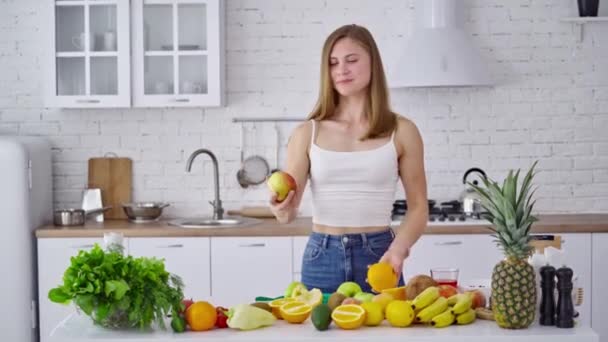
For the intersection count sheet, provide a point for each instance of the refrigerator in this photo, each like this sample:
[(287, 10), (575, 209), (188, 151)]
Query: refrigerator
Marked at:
[(26, 203)]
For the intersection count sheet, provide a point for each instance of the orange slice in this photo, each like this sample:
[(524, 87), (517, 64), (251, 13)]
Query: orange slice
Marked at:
[(349, 316), (295, 312), (398, 293), (276, 306)]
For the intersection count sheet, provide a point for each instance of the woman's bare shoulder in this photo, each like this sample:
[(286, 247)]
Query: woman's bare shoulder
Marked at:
[(301, 135), (407, 135), (406, 127)]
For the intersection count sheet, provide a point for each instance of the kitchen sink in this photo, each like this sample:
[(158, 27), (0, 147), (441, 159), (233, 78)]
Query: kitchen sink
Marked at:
[(207, 222)]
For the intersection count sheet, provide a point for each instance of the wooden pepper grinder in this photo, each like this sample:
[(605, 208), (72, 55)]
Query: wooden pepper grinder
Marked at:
[(565, 308), (547, 305)]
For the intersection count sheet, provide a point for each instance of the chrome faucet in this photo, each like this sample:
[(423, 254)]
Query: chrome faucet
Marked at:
[(218, 211)]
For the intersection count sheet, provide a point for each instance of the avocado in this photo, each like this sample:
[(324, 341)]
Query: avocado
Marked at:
[(321, 317)]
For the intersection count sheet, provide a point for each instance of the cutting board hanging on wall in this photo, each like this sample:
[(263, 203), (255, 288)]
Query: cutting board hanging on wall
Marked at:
[(113, 175)]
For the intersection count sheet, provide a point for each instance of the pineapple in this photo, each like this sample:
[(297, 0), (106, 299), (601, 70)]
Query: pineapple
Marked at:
[(513, 279)]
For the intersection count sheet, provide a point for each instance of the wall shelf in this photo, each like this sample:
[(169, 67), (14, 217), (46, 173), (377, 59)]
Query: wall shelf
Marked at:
[(581, 21), (267, 119)]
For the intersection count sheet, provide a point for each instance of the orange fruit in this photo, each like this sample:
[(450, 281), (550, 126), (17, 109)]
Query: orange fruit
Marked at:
[(201, 316), (349, 316), (381, 276), (295, 312), (276, 305), (398, 293)]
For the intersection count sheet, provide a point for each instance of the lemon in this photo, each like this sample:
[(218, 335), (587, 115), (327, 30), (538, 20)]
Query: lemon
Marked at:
[(373, 313), (383, 299), (381, 276), (276, 305), (295, 312), (313, 297), (399, 313), (349, 316)]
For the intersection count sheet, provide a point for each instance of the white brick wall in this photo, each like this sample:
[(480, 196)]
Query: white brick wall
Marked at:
[(551, 102)]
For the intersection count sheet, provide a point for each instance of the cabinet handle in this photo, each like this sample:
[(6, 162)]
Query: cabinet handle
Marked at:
[(87, 101), (179, 245), (181, 100), (83, 246), (448, 243), (253, 245)]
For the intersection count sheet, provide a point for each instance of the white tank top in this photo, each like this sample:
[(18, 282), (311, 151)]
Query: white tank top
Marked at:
[(353, 189)]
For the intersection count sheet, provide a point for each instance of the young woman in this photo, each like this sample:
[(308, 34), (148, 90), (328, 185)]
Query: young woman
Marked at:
[(354, 149)]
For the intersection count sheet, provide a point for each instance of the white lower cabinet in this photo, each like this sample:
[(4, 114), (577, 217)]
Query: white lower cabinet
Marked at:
[(187, 257), (600, 279), (243, 268), (299, 245), (53, 259), (473, 255)]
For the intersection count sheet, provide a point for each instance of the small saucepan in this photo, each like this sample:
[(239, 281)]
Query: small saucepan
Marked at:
[(74, 217)]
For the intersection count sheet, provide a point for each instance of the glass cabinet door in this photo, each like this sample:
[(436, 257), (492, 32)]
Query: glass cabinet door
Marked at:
[(91, 54), (172, 52)]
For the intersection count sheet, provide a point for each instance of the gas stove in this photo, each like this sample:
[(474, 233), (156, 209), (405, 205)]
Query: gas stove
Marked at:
[(447, 213)]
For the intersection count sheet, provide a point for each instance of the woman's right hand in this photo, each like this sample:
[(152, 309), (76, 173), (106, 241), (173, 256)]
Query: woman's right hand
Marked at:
[(282, 210)]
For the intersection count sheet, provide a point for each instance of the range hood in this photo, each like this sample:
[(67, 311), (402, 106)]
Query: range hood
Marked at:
[(439, 53)]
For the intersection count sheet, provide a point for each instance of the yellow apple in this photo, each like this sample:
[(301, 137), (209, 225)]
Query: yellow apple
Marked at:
[(281, 183)]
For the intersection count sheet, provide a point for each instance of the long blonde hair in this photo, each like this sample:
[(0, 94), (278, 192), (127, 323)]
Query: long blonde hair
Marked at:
[(382, 121)]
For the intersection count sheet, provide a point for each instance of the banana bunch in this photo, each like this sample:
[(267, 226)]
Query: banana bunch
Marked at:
[(440, 312), (460, 311)]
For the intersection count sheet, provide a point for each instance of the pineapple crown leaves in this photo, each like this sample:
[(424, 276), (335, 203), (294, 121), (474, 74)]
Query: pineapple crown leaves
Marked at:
[(510, 211)]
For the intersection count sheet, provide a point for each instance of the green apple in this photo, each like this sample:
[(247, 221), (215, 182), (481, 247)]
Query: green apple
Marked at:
[(281, 183), (295, 289), (364, 297), (349, 288)]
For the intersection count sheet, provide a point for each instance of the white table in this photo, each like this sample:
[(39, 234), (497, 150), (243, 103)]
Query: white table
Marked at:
[(80, 328)]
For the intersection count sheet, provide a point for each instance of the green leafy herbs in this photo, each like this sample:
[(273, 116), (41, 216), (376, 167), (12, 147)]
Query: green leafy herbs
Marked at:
[(119, 291)]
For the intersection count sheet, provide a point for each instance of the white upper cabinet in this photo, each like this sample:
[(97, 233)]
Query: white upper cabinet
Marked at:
[(178, 53), (89, 57)]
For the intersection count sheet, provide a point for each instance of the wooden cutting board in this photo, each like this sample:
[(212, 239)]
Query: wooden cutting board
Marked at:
[(260, 212), (114, 177)]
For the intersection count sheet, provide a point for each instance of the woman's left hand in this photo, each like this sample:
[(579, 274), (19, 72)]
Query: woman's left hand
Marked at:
[(395, 258)]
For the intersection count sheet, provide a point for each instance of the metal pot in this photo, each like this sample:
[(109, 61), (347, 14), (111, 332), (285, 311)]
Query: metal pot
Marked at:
[(74, 217), (470, 199), (143, 211)]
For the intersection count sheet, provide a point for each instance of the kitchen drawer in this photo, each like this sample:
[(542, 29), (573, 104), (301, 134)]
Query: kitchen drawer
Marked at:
[(188, 258), (474, 255), (245, 267)]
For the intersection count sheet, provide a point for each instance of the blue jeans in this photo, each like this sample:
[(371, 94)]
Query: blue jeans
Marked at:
[(330, 260)]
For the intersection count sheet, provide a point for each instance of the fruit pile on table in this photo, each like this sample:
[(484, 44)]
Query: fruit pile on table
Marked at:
[(422, 301)]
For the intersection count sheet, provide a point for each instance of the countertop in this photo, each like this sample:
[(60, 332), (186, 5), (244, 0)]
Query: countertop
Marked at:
[(80, 328), (561, 223)]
